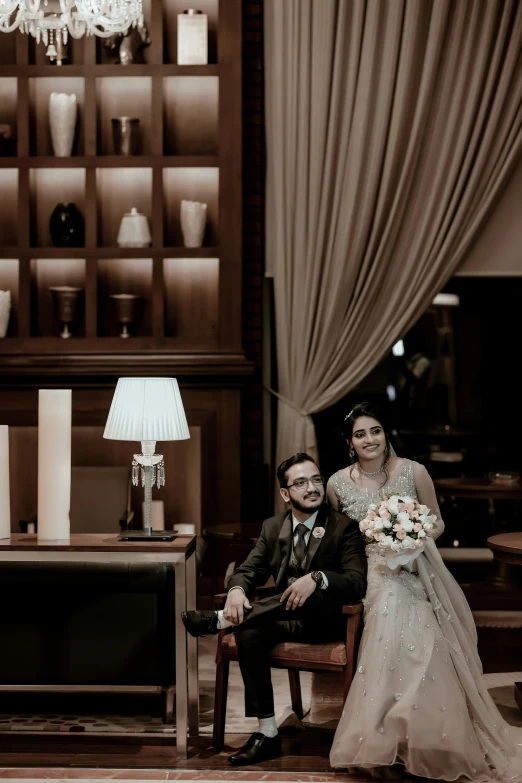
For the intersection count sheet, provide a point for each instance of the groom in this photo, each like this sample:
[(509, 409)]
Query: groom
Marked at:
[(316, 558)]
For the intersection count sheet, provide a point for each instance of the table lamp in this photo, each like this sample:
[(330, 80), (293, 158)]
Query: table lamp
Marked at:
[(147, 410)]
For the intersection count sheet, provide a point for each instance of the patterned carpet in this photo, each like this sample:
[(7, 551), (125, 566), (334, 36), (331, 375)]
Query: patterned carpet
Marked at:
[(142, 715)]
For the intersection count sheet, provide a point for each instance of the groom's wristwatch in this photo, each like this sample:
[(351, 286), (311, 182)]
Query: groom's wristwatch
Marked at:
[(318, 578)]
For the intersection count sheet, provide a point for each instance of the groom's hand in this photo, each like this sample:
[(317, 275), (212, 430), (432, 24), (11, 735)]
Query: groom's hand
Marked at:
[(235, 606), (299, 591)]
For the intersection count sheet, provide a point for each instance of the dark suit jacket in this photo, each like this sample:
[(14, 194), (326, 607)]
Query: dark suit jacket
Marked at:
[(339, 554)]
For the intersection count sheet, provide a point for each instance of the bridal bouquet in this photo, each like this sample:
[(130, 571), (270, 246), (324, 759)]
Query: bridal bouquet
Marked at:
[(399, 525)]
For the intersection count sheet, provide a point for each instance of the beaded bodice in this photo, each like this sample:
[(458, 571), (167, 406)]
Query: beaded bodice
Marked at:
[(356, 500)]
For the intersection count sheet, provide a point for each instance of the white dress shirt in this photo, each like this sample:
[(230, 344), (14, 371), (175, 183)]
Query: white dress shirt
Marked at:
[(310, 522)]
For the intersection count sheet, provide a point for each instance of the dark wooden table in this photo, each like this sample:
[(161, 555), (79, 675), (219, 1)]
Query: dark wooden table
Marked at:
[(507, 548), (100, 548)]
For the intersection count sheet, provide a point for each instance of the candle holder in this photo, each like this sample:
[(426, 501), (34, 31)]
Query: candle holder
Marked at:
[(126, 311), (66, 300)]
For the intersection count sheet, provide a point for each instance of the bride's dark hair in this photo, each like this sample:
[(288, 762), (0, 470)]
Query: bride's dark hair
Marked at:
[(373, 412)]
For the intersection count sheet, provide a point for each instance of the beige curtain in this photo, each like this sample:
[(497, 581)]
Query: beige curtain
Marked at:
[(392, 126)]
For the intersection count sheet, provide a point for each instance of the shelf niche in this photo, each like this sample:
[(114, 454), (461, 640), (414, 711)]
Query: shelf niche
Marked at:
[(124, 276), (140, 56), (9, 275), (123, 97), (49, 187), (47, 272), (191, 115), (170, 41), (8, 109), (9, 212), (40, 90), (119, 190), (192, 184), (191, 298)]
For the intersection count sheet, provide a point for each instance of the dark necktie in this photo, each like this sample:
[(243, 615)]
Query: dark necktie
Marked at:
[(300, 546)]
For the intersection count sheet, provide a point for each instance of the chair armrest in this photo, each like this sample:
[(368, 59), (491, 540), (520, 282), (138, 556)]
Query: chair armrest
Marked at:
[(260, 592), (353, 608)]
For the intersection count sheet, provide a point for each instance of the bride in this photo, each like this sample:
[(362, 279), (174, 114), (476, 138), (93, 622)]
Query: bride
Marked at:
[(418, 698)]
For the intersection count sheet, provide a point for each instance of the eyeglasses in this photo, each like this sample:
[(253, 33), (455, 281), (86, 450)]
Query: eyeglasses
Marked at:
[(302, 483)]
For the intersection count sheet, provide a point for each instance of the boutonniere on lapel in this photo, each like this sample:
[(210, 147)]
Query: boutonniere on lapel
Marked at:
[(318, 532)]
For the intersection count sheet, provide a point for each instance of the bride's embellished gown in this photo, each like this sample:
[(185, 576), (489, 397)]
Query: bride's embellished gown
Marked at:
[(418, 698)]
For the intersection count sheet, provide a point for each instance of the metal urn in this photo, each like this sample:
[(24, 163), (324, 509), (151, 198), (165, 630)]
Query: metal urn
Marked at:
[(126, 311), (66, 300)]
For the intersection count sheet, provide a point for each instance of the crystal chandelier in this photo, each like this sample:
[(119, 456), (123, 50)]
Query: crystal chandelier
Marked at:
[(52, 21)]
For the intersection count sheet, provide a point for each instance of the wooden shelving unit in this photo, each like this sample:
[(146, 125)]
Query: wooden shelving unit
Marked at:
[(191, 143), (191, 322)]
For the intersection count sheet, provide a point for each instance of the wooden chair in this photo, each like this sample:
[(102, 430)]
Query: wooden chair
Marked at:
[(295, 656)]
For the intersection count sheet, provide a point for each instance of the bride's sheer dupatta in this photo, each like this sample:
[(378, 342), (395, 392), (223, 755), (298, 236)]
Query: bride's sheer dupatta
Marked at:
[(502, 744)]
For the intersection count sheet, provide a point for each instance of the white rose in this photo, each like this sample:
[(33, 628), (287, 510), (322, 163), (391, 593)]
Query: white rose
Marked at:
[(378, 524), (407, 499), (428, 527), (363, 525), (408, 543), (387, 523), (393, 505), (421, 534), (423, 509), (369, 534), (396, 546), (402, 517), (386, 542), (372, 507), (407, 525)]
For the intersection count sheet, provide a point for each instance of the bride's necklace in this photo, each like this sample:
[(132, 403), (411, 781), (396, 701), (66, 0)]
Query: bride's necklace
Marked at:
[(376, 472)]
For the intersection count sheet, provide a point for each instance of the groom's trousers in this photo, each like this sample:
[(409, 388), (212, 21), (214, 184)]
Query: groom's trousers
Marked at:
[(269, 623)]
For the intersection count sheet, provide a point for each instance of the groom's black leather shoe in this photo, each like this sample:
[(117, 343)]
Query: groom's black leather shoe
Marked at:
[(257, 748), (200, 623)]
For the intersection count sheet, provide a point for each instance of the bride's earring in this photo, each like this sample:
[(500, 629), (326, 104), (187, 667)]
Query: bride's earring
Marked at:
[(352, 452)]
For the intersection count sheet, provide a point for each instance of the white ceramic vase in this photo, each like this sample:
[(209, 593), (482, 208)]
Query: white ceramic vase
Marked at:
[(134, 230), (62, 120), (193, 221), (5, 309)]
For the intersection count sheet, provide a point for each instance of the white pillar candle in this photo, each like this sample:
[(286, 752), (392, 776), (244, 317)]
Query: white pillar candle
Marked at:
[(158, 514), (5, 508), (54, 463)]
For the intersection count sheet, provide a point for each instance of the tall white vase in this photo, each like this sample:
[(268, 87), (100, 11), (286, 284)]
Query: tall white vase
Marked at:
[(5, 309), (193, 221), (62, 120)]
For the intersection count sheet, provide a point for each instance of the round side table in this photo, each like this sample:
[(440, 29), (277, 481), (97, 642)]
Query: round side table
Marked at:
[(507, 548)]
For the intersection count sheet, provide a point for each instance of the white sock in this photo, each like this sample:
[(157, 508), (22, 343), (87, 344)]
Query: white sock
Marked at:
[(268, 727), (222, 622)]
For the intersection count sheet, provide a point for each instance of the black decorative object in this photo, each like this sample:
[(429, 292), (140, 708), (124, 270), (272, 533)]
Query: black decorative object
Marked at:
[(67, 226)]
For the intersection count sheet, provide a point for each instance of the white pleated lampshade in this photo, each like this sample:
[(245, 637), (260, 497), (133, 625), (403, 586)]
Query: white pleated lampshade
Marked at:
[(147, 409)]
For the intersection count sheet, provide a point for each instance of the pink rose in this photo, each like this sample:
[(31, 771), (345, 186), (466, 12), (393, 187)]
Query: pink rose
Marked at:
[(417, 526), (415, 515), (371, 524), (401, 534), (318, 532), (402, 506), (397, 526), (371, 515), (378, 536), (409, 507), (385, 514), (419, 542)]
